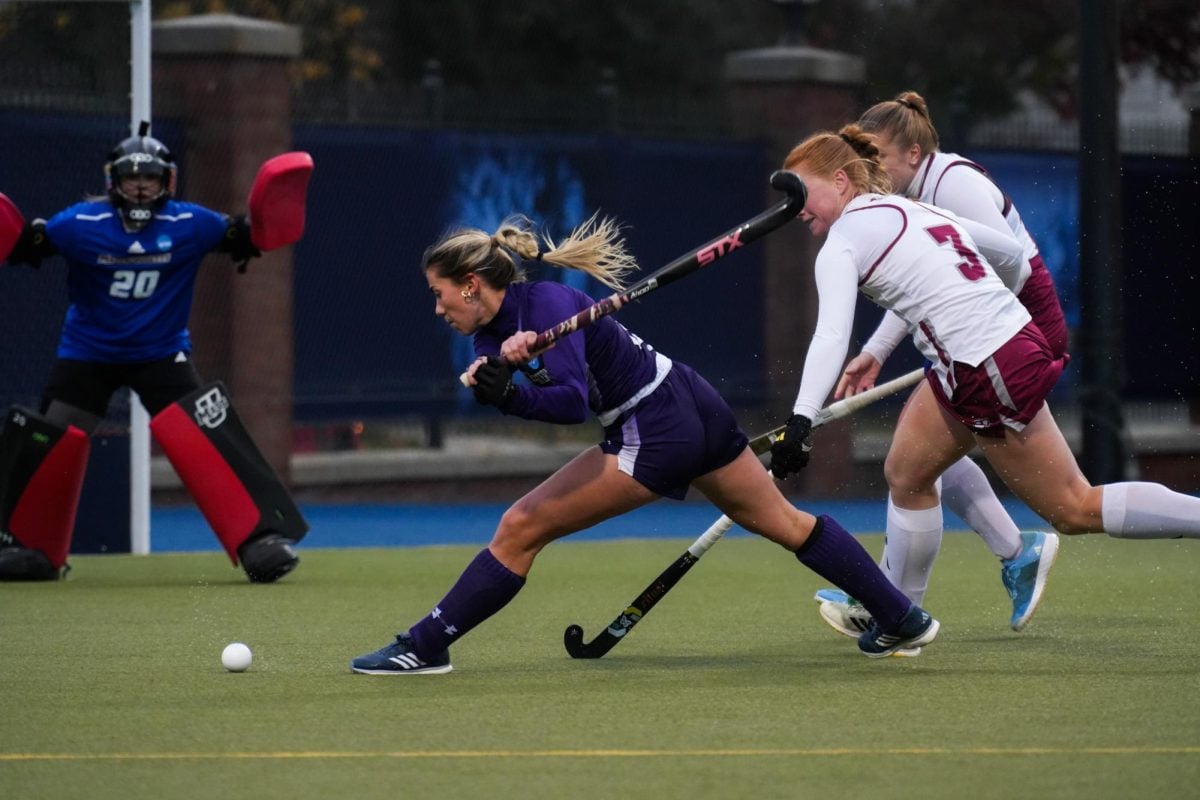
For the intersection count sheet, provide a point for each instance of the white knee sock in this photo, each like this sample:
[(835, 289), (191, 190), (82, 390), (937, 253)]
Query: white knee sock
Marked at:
[(966, 492), (913, 539), (1138, 510)]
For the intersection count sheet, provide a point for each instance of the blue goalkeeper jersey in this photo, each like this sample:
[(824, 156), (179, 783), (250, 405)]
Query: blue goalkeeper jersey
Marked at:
[(130, 293)]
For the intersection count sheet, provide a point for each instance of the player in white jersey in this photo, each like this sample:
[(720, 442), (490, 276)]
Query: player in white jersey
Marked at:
[(908, 146), (991, 366)]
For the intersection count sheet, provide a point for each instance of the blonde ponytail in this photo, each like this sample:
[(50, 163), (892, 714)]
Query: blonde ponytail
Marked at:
[(595, 247)]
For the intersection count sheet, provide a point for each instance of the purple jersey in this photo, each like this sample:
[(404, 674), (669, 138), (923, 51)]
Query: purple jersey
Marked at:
[(130, 293), (600, 368), (664, 423)]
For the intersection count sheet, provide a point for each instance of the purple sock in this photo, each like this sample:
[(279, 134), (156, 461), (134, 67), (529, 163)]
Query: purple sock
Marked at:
[(484, 588), (836, 556)]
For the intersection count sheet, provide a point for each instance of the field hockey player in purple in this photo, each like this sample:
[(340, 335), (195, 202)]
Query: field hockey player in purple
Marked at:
[(665, 429)]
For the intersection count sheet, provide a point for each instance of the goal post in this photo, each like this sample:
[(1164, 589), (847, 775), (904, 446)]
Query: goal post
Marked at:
[(139, 418)]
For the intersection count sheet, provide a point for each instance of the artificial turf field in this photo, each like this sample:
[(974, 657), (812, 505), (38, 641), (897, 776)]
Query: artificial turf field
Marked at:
[(731, 687)]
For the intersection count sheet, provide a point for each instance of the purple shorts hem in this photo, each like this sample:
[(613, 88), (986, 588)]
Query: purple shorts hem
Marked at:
[(681, 431)]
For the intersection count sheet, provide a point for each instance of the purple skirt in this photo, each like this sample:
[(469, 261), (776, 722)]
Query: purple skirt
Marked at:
[(679, 432)]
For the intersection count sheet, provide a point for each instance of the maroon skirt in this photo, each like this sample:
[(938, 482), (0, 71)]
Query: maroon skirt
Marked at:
[(1007, 389)]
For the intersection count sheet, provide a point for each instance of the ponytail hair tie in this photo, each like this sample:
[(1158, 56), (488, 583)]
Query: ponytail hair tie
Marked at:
[(538, 257)]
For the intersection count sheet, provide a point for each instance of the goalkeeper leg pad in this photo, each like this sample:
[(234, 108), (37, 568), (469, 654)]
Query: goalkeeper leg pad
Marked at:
[(235, 488), (42, 465)]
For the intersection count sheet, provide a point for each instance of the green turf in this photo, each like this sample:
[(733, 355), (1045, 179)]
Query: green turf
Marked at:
[(111, 684)]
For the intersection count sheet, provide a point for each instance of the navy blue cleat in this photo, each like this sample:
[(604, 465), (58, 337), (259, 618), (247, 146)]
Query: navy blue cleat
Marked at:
[(400, 658), (916, 629)]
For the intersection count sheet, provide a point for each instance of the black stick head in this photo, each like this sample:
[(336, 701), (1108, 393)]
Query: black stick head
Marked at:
[(573, 640), (790, 183), (577, 648)]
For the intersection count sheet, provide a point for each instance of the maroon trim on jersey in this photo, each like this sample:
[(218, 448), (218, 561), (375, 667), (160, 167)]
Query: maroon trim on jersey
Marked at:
[(888, 249), (925, 175), (943, 356), (968, 163)]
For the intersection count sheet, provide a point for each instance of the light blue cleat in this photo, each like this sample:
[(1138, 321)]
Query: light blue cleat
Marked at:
[(1025, 574), (831, 596)]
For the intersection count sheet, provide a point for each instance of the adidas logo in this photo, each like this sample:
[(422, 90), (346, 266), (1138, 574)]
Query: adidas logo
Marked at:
[(407, 661), (136, 248)]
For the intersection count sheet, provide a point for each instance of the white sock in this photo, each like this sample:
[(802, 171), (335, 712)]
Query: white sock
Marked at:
[(1138, 510), (913, 539), (966, 492)]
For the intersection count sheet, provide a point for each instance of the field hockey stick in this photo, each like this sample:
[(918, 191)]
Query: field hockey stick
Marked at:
[(772, 219), (608, 638)]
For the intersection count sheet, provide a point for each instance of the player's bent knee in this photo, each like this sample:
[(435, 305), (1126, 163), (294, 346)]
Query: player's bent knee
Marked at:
[(903, 480), (515, 524), (520, 530)]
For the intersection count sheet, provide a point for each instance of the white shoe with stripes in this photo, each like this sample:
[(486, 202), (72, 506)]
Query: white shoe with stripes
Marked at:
[(400, 658), (848, 617)]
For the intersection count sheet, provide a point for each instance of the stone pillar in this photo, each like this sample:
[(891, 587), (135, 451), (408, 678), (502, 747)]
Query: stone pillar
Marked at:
[(225, 77), (779, 96)]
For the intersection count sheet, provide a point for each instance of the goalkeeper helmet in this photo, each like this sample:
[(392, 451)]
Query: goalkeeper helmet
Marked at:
[(139, 155)]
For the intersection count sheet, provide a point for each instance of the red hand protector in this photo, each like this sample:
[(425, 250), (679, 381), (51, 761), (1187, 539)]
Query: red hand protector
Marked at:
[(11, 224), (276, 202)]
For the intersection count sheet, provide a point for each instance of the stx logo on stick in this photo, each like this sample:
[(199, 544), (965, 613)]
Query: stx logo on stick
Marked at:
[(720, 247)]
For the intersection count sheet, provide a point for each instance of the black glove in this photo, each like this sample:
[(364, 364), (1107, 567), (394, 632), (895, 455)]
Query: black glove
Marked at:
[(32, 245), (237, 242), (790, 452), (493, 382)]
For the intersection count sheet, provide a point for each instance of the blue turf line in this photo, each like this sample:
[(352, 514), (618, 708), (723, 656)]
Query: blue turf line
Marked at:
[(174, 530)]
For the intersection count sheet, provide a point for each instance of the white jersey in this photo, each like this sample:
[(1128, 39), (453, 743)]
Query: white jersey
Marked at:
[(949, 181), (957, 184), (947, 278)]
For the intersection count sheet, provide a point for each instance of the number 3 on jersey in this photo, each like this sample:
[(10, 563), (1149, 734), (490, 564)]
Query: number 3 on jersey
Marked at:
[(972, 268), (128, 283)]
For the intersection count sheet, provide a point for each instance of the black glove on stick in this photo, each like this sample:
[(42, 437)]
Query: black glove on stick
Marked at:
[(493, 382), (790, 452)]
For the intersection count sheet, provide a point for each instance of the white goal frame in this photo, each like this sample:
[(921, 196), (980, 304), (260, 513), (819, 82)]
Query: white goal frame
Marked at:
[(139, 418)]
